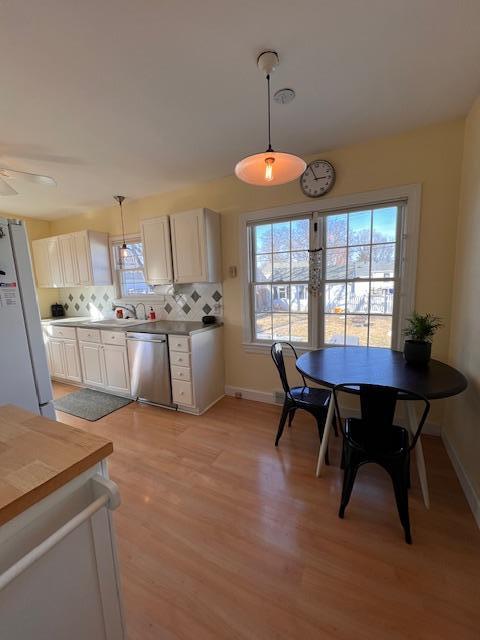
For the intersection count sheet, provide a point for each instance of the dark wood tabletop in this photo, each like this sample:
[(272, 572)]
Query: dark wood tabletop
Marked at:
[(373, 365)]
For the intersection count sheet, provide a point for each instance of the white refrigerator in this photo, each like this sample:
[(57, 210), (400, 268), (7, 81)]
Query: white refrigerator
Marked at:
[(24, 375)]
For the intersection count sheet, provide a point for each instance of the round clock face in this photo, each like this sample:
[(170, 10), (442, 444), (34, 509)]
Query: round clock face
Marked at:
[(317, 179)]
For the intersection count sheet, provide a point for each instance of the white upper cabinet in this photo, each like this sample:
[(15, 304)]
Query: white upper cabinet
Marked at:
[(72, 260), (182, 248), (68, 259), (157, 253), (196, 249)]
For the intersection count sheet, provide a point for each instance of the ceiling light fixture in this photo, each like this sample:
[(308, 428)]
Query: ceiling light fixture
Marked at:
[(270, 168), (123, 251)]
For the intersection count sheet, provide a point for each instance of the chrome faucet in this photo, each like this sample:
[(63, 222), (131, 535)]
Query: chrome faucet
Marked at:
[(128, 307), (144, 310)]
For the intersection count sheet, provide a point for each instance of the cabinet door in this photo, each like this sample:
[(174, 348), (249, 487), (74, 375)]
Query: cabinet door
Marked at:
[(117, 376), (57, 363), (69, 261), (55, 261), (189, 246), (42, 263), (157, 252), (72, 361), (82, 251), (92, 367)]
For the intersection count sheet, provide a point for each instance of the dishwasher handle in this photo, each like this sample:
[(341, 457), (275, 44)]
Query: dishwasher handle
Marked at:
[(144, 340)]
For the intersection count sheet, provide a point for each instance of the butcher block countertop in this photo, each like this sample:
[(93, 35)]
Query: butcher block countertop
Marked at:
[(38, 456)]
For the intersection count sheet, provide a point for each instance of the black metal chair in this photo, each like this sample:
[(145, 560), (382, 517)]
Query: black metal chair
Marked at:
[(310, 399), (374, 438)]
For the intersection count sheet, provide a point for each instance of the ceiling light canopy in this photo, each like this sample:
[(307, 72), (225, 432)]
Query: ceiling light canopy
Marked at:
[(269, 168)]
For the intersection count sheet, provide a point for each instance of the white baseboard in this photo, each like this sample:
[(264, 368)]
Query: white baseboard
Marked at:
[(430, 428), (471, 495)]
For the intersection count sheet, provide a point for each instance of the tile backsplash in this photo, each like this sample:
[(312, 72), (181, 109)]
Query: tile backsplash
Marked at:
[(182, 302)]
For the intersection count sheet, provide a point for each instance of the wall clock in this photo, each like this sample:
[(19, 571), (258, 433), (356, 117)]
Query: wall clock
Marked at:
[(317, 179)]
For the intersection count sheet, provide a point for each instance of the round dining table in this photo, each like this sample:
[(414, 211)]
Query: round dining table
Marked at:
[(373, 365)]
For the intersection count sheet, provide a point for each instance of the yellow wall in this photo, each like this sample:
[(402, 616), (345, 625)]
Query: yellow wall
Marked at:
[(37, 228), (430, 156), (462, 428)]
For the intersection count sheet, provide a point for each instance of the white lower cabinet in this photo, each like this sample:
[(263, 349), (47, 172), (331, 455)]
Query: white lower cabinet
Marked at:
[(64, 360), (117, 378), (91, 357)]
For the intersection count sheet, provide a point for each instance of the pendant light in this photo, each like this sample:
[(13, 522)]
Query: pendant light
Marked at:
[(270, 168), (123, 251)]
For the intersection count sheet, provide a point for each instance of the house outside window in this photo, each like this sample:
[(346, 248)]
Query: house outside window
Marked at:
[(130, 277)]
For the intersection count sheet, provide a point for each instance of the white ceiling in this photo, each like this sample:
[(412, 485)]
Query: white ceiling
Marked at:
[(143, 96)]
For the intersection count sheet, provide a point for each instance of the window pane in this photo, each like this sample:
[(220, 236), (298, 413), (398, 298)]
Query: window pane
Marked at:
[(359, 262), (299, 298), (263, 238), (263, 298), (385, 225), (381, 300), (359, 226), (281, 236), (281, 266), (133, 283), (336, 263), (299, 327), (334, 329), (383, 261), (380, 331), (281, 297), (300, 234), (263, 326), (263, 268), (281, 326), (335, 298), (357, 331), (337, 230), (357, 297), (299, 265)]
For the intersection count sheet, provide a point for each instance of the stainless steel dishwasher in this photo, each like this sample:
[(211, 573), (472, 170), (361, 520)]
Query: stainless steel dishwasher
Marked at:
[(150, 368)]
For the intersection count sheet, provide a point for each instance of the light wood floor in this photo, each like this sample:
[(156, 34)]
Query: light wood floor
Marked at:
[(222, 536)]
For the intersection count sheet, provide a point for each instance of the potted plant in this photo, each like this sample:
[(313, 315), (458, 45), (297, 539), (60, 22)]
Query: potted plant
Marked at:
[(420, 331)]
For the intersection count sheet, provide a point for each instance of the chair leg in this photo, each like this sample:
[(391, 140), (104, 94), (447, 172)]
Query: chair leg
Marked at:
[(349, 475), (400, 485), (336, 419), (281, 424), (291, 416)]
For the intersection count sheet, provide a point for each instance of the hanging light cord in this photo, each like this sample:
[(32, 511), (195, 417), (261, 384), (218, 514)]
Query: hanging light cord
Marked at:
[(123, 226), (268, 111)]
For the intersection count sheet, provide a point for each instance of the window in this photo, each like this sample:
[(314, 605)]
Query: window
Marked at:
[(129, 270), (358, 302)]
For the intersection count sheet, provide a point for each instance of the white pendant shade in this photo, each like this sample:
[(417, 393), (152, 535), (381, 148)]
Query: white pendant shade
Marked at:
[(270, 168)]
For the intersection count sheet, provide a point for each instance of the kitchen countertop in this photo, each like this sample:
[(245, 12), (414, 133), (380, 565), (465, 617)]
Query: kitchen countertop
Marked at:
[(178, 327), (38, 456)]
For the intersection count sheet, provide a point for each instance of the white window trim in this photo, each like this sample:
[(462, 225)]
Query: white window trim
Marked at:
[(153, 298), (410, 193)]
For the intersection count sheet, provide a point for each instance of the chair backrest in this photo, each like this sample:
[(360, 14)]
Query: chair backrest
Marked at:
[(277, 357), (378, 404)]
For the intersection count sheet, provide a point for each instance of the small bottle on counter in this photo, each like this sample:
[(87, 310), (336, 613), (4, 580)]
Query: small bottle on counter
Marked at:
[(152, 315), (119, 313)]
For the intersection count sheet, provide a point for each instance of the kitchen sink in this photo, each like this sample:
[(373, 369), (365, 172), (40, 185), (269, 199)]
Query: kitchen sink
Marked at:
[(117, 322)]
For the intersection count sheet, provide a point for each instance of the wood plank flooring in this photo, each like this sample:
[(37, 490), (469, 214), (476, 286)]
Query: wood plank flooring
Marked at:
[(222, 536)]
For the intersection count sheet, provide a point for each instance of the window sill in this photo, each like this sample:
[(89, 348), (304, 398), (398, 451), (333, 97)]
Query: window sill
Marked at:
[(258, 347)]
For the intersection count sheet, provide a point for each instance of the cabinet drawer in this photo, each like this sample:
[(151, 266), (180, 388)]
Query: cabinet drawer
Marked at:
[(182, 392), (179, 358), (113, 337), (62, 332), (89, 335), (179, 343), (181, 373)]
